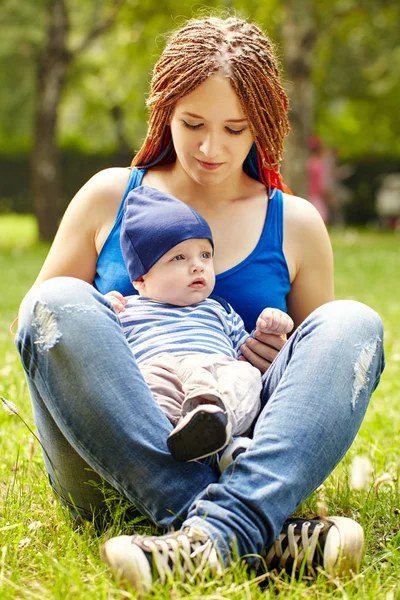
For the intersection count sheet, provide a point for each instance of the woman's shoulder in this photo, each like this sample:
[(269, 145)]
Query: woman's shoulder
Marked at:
[(100, 197), (300, 214), (107, 183), (306, 239)]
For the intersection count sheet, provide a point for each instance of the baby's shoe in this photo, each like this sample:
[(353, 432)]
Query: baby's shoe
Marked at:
[(232, 451), (202, 432)]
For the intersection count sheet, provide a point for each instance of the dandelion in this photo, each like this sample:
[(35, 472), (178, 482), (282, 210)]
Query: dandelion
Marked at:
[(9, 406), (385, 478), (35, 525), (360, 472), (6, 371)]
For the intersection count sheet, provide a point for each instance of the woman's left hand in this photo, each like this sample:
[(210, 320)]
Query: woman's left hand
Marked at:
[(261, 350)]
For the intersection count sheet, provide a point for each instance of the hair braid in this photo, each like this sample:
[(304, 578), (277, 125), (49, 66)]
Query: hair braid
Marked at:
[(240, 51)]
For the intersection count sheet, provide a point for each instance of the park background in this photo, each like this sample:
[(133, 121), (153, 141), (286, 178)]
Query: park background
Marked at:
[(73, 78)]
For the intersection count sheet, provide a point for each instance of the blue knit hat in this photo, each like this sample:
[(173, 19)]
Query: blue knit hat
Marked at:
[(153, 223)]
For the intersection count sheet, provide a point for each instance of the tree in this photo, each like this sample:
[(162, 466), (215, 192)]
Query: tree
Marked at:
[(299, 35), (52, 68), (340, 64)]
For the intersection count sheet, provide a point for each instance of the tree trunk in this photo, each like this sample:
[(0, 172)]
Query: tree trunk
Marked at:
[(45, 162), (299, 37)]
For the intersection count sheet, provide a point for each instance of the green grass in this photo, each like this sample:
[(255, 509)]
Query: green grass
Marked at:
[(42, 556)]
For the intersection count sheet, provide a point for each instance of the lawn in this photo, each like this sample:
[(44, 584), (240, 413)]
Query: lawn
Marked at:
[(43, 557)]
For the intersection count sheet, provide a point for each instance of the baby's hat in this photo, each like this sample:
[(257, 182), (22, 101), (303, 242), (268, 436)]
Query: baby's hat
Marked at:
[(153, 223)]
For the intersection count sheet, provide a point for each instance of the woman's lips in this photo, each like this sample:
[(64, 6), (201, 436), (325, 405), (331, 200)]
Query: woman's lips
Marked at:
[(209, 166)]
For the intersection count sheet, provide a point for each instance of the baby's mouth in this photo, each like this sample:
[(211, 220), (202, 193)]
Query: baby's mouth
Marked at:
[(198, 283)]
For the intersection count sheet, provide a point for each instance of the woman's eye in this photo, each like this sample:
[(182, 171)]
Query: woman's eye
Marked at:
[(235, 131), (189, 126)]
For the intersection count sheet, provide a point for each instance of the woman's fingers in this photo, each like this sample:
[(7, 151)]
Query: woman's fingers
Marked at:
[(260, 352), (269, 340)]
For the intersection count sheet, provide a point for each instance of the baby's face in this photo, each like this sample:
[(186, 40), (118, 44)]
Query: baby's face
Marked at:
[(183, 276)]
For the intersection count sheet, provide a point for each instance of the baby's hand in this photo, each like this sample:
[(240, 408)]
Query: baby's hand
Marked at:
[(117, 300), (273, 320)]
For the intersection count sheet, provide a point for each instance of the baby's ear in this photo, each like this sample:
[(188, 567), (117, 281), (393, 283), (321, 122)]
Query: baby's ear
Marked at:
[(138, 284)]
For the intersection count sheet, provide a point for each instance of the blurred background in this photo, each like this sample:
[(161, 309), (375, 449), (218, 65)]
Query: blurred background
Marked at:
[(74, 77)]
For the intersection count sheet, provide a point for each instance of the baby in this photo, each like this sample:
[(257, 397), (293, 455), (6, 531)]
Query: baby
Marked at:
[(186, 342)]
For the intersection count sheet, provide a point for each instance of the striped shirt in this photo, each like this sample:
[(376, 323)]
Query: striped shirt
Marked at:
[(153, 328)]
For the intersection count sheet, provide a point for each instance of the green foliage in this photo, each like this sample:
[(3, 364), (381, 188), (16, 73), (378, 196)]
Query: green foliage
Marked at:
[(23, 28), (356, 69), (42, 556), (356, 77)]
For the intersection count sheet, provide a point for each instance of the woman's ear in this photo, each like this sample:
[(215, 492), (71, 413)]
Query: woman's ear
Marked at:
[(138, 284)]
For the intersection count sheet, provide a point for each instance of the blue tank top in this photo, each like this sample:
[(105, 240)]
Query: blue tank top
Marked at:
[(260, 280)]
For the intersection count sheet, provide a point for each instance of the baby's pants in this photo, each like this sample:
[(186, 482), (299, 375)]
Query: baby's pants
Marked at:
[(180, 382)]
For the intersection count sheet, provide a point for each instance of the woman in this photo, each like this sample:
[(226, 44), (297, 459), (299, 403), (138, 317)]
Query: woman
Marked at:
[(218, 118)]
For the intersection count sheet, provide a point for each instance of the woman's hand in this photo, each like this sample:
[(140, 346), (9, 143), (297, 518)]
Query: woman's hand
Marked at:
[(261, 350), (117, 300), (269, 337)]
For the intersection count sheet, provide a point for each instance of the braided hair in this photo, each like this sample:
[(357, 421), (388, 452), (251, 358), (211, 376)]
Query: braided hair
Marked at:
[(240, 51)]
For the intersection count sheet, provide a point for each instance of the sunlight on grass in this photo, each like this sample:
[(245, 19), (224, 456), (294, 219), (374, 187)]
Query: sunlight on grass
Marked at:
[(42, 556), (17, 231)]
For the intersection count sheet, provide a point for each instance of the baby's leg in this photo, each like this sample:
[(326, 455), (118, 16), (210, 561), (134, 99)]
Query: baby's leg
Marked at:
[(240, 388), (206, 426), (160, 375)]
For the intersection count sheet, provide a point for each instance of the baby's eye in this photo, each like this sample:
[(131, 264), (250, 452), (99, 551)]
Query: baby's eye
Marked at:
[(179, 257), (206, 255)]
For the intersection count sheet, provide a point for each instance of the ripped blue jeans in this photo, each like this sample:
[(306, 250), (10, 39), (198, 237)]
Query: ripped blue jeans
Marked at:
[(98, 421)]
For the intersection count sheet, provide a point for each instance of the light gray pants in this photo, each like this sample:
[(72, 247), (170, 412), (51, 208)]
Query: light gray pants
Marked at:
[(180, 382)]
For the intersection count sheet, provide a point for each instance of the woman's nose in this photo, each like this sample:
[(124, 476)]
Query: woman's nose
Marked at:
[(210, 146)]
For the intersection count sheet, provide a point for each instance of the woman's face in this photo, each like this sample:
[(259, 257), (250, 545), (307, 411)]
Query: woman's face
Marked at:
[(210, 132)]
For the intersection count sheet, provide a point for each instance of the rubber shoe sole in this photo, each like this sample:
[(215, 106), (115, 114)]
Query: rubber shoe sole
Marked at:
[(202, 432), (128, 563), (344, 547)]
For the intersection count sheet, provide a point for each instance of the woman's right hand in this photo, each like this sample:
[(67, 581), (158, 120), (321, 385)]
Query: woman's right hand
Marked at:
[(261, 350)]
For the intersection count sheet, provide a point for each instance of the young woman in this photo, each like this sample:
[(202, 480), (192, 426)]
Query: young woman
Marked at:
[(218, 118)]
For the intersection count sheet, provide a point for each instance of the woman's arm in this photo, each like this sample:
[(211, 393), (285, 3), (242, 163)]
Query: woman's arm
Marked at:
[(309, 257), (308, 249), (84, 228)]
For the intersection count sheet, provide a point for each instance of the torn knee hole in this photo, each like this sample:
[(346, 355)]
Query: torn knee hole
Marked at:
[(362, 367), (45, 325)]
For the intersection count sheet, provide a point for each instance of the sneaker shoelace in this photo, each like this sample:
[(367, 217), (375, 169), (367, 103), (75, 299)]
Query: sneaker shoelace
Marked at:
[(291, 547), (185, 554)]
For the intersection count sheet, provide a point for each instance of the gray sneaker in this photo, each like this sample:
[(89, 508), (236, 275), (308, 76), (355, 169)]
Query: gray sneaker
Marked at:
[(141, 560), (334, 544)]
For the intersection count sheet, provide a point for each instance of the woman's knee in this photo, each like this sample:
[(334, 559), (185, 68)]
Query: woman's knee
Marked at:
[(53, 295), (57, 291), (350, 317), (47, 308)]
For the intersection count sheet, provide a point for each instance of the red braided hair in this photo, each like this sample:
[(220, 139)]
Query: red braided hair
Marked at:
[(242, 53)]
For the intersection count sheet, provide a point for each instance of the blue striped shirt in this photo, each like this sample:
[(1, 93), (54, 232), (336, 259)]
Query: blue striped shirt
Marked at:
[(153, 328)]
